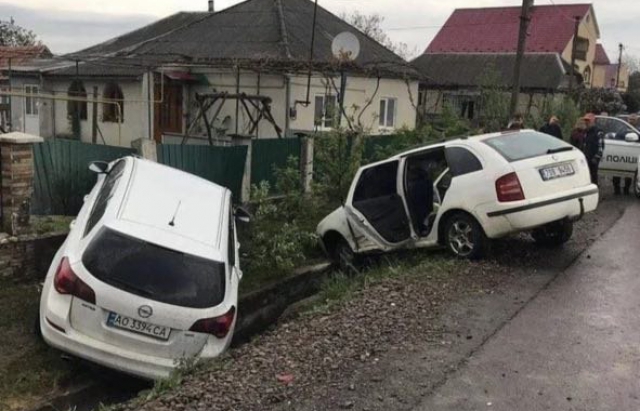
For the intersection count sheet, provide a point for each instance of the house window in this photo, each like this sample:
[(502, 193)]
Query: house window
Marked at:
[(77, 108), (464, 105), (582, 48), (388, 112), (31, 103), (110, 113), (326, 110)]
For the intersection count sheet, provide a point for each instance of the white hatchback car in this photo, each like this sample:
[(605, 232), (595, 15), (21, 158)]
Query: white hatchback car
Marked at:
[(149, 273), (460, 193)]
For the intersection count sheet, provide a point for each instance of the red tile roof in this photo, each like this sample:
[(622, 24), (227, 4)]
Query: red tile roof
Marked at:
[(495, 30), (22, 55), (601, 56)]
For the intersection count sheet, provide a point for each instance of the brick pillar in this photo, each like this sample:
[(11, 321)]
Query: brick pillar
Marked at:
[(146, 148), (16, 160)]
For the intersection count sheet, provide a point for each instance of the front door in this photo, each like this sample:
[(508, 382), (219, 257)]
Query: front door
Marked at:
[(31, 110), (376, 209), (168, 113)]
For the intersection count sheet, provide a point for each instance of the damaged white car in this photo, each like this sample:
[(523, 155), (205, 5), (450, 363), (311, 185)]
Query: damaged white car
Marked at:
[(460, 194), (149, 273)]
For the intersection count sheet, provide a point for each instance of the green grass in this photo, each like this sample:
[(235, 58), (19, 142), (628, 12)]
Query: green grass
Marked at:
[(28, 368), (409, 264), (49, 224)]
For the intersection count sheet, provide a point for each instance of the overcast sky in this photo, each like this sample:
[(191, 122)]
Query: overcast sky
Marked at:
[(70, 25)]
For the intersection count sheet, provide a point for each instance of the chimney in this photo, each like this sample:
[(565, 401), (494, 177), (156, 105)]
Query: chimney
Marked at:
[(211, 8)]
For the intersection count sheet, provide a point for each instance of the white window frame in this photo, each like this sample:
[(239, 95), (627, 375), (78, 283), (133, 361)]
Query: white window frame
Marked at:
[(325, 120), (383, 123), (31, 106)]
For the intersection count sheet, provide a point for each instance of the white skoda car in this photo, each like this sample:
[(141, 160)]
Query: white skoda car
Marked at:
[(461, 193), (148, 274)]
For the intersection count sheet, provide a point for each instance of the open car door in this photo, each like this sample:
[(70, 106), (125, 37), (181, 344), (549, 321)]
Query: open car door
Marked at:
[(375, 208)]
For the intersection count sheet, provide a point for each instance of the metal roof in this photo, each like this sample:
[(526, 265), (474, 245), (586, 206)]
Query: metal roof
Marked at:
[(544, 71), (495, 29), (269, 32)]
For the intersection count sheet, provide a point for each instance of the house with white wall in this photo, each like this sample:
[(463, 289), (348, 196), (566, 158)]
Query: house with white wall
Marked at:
[(197, 76)]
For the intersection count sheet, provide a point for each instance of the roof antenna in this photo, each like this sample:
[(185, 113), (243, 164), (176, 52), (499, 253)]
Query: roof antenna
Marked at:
[(172, 223)]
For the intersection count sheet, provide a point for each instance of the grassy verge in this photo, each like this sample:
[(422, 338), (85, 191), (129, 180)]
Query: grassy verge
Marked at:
[(29, 370), (49, 224)]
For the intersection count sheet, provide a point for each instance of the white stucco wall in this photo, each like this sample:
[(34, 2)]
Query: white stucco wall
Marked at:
[(133, 127), (362, 102), (225, 81), (359, 91)]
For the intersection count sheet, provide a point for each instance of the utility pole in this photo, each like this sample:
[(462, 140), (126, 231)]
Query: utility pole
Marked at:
[(621, 47), (522, 42), (574, 48)]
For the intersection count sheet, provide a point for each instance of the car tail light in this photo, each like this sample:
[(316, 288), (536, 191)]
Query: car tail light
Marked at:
[(67, 282), (508, 188), (217, 326)]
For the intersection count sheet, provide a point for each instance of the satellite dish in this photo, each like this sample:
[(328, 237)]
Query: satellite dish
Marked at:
[(345, 46)]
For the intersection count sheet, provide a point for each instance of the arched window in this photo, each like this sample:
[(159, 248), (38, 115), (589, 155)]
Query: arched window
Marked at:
[(110, 113), (77, 109), (587, 75)]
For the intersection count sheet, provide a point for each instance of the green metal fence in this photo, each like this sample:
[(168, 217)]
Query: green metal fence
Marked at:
[(62, 176), (269, 154), (221, 165)]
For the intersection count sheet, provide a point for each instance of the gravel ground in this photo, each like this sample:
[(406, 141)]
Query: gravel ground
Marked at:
[(340, 355)]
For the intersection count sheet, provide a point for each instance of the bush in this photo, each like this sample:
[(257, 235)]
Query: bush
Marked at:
[(338, 156), (564, 107), (599, 100)]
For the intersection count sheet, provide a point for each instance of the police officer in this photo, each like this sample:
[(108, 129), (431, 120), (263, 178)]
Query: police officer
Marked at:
[(593, 146)]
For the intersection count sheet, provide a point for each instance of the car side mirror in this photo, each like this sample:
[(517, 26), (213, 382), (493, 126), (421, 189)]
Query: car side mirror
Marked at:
[(631, 138), (242, 215), (99, 167)]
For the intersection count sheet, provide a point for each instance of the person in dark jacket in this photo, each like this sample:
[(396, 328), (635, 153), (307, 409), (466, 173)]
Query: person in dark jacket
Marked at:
[(552, 128), (578, 134), (593, 146)]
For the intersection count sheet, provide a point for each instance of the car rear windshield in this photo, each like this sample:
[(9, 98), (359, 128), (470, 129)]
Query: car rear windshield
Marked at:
[(523, 145), (155, 272)]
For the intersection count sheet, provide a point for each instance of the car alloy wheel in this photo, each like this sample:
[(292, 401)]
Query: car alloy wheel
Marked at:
[(461, 238), (464, 237)]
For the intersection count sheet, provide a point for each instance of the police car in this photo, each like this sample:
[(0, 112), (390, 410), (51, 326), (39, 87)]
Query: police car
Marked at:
[(622, 149)]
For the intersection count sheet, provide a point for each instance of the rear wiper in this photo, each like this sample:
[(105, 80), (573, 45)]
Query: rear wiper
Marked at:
[(129, 287), (559, 150)]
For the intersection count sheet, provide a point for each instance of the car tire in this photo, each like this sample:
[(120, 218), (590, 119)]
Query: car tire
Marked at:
[(553, 234), (344, 257), (464, 237)]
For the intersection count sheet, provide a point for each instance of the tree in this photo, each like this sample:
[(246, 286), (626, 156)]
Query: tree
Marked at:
[(632, 96), (12, 35), (371, 25), (601, 100)]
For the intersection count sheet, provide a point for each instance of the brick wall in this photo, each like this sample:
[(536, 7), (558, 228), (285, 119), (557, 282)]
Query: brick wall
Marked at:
[(27, 257)]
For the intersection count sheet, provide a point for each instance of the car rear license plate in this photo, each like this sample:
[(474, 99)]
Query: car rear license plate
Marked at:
[(562, 170), (141, 327)]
